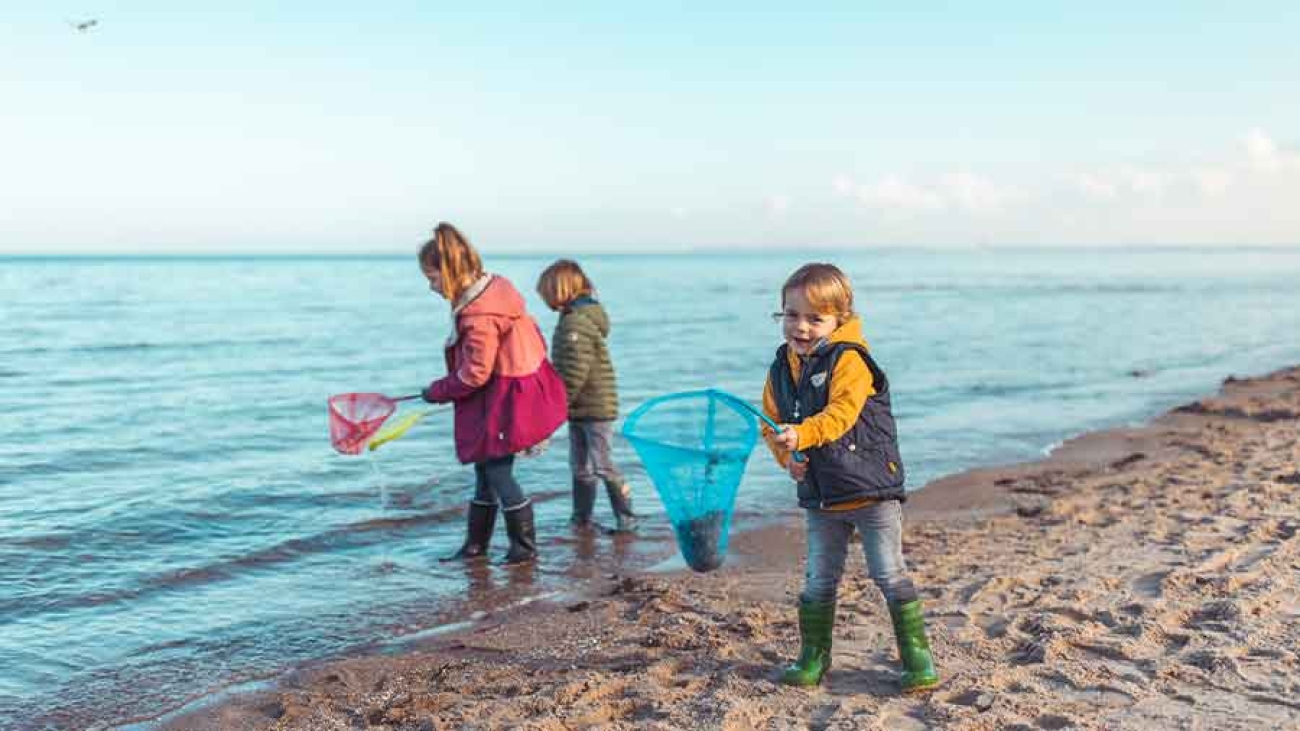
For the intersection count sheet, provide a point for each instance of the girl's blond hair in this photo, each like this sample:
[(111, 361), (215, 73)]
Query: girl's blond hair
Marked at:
[(826, 288), (449, 252), (562, 283)]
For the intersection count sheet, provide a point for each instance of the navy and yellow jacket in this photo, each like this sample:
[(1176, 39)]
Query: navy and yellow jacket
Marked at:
[(837, 400)]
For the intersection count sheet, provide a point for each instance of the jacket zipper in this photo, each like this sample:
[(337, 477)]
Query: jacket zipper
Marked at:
[(804, 371)]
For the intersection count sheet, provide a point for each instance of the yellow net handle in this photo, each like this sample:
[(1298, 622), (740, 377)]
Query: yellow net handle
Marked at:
[(397, 429)]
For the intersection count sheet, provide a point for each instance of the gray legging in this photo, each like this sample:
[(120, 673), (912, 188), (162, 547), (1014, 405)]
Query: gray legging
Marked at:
[(829, 532), (494, 484)]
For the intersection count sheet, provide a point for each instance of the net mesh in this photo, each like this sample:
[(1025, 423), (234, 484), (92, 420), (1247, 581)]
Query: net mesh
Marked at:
[(355, 417), (695, 446)]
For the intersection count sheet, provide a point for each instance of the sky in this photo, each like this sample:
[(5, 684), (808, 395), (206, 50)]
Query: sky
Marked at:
[(554, 126)]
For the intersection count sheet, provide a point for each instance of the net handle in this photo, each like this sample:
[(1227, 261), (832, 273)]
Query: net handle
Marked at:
[(798, 456)]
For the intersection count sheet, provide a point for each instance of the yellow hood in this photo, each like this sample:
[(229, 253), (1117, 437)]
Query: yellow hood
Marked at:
[(849, 332)]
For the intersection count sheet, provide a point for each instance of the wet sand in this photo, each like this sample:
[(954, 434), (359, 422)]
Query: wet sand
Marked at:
[(1143, 578)]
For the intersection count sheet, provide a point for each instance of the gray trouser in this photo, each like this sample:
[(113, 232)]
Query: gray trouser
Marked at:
[(590, 458), (829, 533)]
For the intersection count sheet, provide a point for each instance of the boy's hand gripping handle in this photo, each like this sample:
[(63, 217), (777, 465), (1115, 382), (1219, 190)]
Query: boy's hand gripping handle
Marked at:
[(796, 455)]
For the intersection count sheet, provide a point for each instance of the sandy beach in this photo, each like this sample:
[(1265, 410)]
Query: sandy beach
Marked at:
[(1138, 578)]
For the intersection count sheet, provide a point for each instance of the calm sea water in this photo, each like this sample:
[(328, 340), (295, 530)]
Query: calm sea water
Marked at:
[(173, 520)]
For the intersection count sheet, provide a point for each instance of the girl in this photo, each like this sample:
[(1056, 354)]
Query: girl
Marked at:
[(508, 398), (839, 443), (578, 349)]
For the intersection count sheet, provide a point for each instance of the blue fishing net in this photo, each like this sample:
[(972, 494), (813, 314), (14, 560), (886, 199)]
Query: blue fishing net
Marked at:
[(695, 446)]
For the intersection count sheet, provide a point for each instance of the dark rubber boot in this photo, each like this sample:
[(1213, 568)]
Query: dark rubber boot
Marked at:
[(816, 623), (523, 536), (481, 520), (620, 501), (913, 647), (584, 501)]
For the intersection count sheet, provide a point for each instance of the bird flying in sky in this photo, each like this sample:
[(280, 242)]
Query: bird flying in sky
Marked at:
[(81, 26)]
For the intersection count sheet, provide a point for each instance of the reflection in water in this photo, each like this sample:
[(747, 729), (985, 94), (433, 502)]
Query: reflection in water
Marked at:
[(490, 586), (584, 546)]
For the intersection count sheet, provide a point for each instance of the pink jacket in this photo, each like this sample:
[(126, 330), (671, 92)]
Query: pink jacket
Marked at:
[(507, 395)]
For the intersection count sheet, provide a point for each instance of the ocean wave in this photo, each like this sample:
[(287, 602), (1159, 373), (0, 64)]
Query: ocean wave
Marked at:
[(145, 345), (342, 539)]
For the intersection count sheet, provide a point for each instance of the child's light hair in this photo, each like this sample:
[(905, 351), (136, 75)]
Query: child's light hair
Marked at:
[(449, 252), (826, 288), (562, 283)]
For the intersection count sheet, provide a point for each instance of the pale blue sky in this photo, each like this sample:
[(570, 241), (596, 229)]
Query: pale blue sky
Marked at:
[(598, 126)]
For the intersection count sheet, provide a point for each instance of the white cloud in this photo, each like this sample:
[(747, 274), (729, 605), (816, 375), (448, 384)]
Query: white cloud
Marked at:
[(1241, 195), (844, 185), (1260, 154), (1212, 182), (1145, 180), (1132, 182), (1261, 150), (1126, 180), (958, 191), (977, 194), (895, 193), (1096, 185), (1265, 154)]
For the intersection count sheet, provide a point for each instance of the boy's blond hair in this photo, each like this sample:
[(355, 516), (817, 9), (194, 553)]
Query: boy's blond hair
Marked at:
[(449, 252), (826, 287), (563, 282)]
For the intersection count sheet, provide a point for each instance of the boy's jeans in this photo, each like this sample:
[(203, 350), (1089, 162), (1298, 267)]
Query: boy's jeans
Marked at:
[(590, 458), (881, 527)]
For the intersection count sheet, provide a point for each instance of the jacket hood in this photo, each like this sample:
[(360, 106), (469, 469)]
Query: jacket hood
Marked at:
[(499, 299), (849, 332), (592, 311)]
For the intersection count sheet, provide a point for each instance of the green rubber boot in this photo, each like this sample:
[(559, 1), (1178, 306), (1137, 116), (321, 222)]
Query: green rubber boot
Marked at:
[(913, 647), (816, 620)]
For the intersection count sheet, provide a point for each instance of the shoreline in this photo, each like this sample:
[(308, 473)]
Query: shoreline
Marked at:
[(670, 649)]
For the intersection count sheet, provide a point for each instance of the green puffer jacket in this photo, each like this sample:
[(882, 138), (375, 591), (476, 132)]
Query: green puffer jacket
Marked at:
[(579, 353)]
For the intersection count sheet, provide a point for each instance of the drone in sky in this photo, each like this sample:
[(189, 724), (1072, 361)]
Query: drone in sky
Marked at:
[(81, 26)]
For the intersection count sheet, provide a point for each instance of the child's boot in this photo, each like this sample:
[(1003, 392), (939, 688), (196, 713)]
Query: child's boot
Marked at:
[(913, 647), (816, 622), (620, 500), (522, 533), (584, 501), (481, 520)]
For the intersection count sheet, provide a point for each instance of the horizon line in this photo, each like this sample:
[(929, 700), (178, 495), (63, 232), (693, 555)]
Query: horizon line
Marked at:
[(674, 252)]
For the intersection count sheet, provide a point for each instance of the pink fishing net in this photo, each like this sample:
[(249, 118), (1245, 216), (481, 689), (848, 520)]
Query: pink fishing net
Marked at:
[(355, 417)]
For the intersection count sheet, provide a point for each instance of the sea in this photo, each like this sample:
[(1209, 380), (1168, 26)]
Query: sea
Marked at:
[(174, 523)]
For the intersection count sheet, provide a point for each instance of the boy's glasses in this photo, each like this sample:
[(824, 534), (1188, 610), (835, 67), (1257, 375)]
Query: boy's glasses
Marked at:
[(793, 317)]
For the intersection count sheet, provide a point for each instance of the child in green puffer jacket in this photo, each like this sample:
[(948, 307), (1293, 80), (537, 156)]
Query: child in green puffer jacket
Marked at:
[(579, 352)]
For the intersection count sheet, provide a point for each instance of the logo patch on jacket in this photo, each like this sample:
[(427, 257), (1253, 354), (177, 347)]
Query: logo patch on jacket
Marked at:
[(818, 379)]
